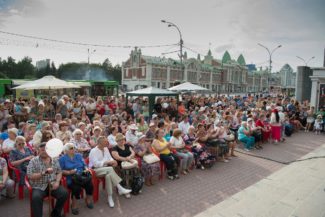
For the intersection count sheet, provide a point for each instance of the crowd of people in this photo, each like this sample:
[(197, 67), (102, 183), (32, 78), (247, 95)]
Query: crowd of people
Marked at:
[(126, 145)]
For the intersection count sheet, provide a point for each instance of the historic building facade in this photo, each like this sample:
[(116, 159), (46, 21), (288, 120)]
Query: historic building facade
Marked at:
[(220, 76), (288, 77)]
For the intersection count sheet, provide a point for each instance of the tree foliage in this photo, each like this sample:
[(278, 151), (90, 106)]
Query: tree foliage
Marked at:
[(24, 69)]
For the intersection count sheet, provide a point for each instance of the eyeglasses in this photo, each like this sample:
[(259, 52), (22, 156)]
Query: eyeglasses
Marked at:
[(71, 148)]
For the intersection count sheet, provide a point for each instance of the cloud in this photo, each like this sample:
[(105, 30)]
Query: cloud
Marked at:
[(10, 8), (223, 48)]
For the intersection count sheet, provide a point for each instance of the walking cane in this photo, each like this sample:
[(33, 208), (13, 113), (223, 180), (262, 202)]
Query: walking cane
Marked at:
[(53, 148)]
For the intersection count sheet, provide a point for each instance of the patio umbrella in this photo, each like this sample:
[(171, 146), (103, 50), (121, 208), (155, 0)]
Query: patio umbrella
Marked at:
[(187, 86), (47, 83)]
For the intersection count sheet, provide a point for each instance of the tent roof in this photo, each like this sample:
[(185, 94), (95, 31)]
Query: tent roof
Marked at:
[(151, 91), (187, 86), (46, 83)]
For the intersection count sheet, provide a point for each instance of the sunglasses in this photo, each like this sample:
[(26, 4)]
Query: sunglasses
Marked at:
[(71, 148)]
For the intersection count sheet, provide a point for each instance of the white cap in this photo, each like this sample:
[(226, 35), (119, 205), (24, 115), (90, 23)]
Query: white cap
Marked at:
[(133, 127)]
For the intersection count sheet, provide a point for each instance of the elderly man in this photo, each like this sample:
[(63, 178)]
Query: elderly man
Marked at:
[(184, 125), (45, 174), (62, 107), (131, 135), (102, 162)]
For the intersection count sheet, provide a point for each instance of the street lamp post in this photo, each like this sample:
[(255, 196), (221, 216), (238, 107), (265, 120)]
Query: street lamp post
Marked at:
[(89, 53), (306, 62), (270, 58), (170, 24)]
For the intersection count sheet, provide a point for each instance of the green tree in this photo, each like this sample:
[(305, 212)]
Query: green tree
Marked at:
[(25, 68)]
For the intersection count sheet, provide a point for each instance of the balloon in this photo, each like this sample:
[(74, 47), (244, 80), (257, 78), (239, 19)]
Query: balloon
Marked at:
[(54, 147)]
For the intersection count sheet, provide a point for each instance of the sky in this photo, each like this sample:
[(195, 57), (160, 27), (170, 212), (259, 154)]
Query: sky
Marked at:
[(219, 25)]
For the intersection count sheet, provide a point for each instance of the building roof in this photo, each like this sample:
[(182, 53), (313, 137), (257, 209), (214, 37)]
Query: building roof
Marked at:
[(161, 61), (151, 91), (226, 57), (241, 60)]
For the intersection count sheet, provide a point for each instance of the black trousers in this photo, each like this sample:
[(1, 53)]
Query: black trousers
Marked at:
[(171, 163), (76, 189), (60, 194)]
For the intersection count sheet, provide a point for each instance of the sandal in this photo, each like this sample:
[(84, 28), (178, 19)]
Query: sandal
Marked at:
[(74, 211)]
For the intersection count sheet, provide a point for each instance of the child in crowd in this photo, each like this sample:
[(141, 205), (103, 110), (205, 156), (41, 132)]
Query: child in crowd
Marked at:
[(318, 124)]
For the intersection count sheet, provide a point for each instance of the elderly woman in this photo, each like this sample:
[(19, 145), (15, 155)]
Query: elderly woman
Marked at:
[(5, 182), (73, 167), (46, 136), (148, 170), (80, 143), (266, 129), (245, 136), (123, 152), (20, 157), (97, 131), (112, 136), (29, 133), (163, 148), (178, 144), (9, 144), (64, 134), (256, 133), (142, 125)]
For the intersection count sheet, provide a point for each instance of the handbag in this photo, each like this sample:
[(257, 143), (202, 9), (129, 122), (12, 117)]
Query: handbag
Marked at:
[(230, 137), (151, 158), (81, 178), (128, 165)]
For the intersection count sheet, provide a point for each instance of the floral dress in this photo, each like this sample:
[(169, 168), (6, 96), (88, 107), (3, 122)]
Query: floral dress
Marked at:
[(201, 156), (147, 170), (17, 155)]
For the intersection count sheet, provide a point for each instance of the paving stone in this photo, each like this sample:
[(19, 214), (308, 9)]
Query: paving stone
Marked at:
[(198, 191)]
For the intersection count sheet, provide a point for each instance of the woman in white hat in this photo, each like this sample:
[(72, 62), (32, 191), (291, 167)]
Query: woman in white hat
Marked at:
[(9, 144), (131, 135)]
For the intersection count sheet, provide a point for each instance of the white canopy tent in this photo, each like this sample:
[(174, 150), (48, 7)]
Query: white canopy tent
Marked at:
[(187, 86), (47, 83)]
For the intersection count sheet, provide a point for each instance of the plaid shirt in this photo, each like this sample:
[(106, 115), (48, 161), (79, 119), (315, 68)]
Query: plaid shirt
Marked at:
[(36, 165)]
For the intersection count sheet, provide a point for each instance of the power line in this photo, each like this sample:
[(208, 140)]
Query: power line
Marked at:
[(84, 44), (194, 51)]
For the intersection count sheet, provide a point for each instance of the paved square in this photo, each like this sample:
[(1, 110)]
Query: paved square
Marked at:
[(195, 192)]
